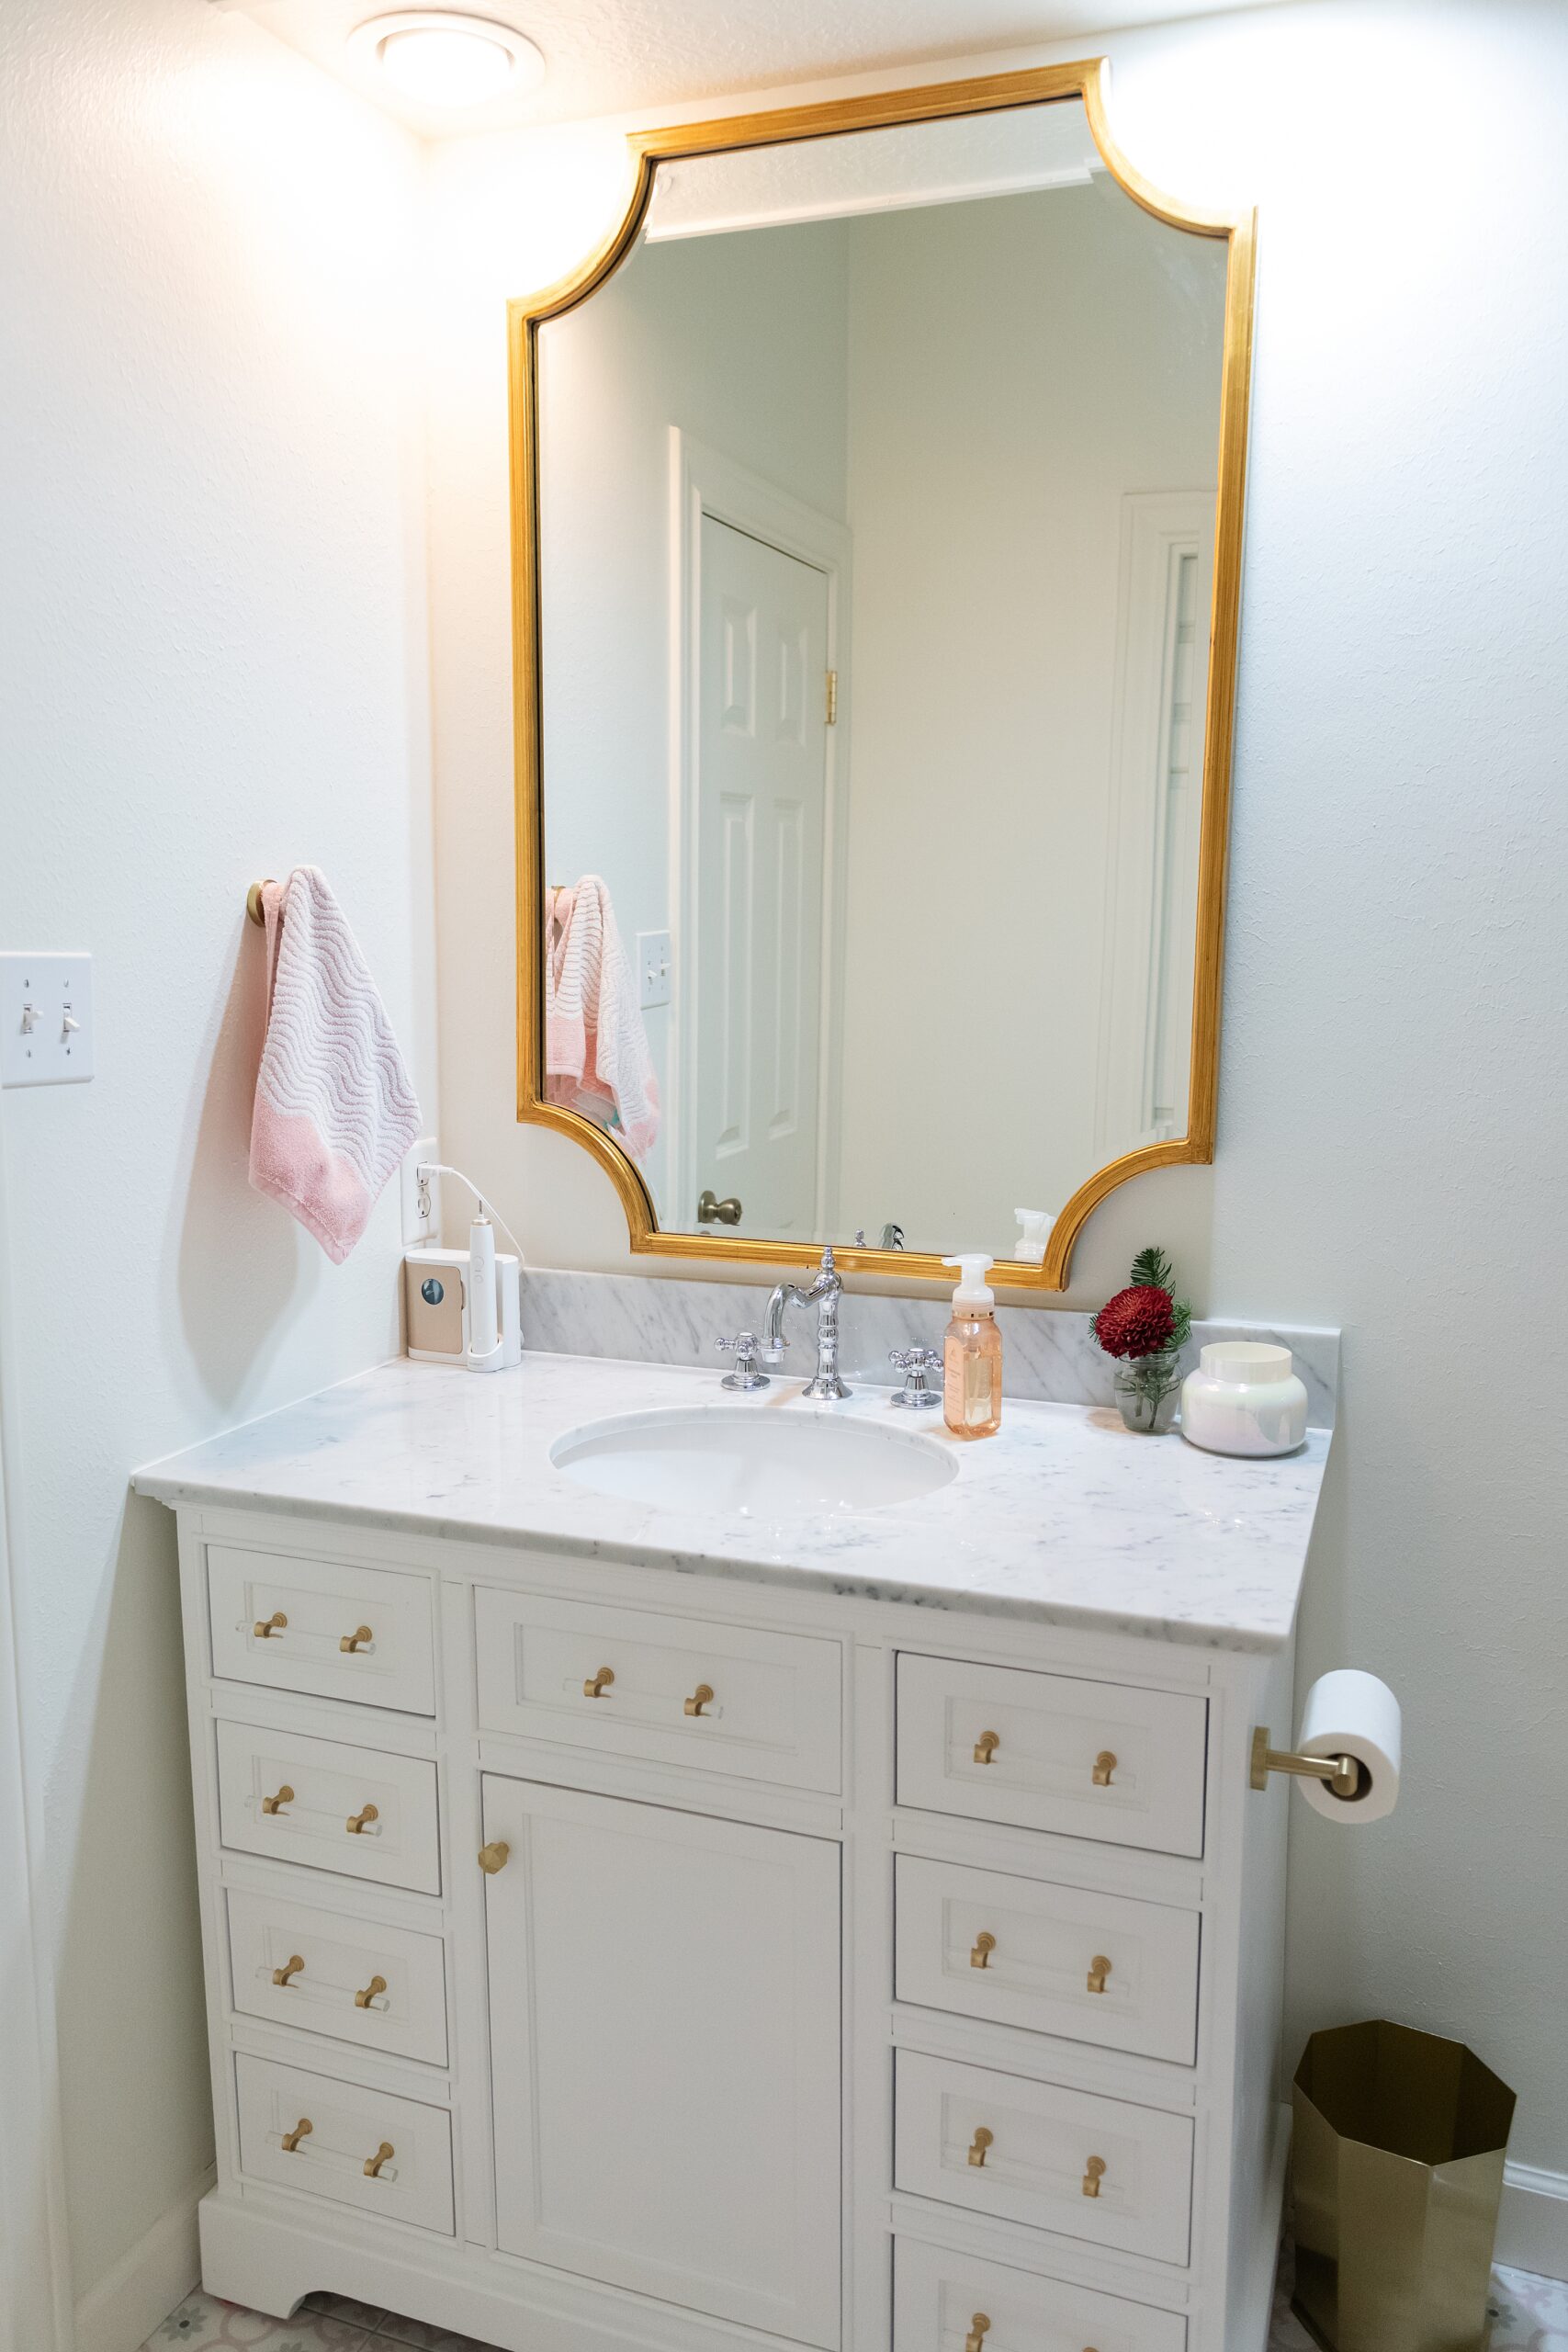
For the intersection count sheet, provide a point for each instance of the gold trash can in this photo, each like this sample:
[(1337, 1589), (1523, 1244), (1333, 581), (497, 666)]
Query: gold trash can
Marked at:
[(1397, 2166)]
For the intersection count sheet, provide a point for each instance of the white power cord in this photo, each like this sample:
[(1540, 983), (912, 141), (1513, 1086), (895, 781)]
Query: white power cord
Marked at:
[(429, 1168)]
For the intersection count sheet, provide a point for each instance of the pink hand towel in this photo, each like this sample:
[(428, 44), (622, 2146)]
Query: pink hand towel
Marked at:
[(335, 1111), (596, 1055)]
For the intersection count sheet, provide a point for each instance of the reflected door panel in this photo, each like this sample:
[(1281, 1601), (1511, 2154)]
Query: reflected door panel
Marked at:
[(760, 869)]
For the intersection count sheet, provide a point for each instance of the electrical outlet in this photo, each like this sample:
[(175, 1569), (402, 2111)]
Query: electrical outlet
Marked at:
[(422, 1210), (46, 1020), (653, 958)]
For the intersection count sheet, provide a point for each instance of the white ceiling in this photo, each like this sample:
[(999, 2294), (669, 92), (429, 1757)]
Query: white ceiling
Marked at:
[(612, 57)]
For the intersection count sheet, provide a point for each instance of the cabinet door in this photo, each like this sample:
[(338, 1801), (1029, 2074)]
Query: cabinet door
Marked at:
[(665, 2032)]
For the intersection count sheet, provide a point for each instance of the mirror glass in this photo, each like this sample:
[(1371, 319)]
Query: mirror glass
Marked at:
[(876, 506)]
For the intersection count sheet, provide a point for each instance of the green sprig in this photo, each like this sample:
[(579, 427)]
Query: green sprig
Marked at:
[(1151, 1268)]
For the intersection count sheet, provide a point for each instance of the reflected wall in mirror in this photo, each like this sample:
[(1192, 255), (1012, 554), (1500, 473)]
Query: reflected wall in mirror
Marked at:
[(873, 748)]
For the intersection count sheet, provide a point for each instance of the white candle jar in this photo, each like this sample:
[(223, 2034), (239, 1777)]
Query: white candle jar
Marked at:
[(1244, 1398)]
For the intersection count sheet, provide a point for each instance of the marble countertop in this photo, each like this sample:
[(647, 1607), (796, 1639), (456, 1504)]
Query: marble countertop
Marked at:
[(1063, 1518)]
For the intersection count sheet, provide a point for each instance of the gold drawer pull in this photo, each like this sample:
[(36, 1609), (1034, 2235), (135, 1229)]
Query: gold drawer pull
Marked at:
[(373, 2163), (597, 1684), (350, 1641), (1094, 2173), (282, 1975), (264, 1627), (979, 2145), (284, 1796), (701, 1696), (985, 1945), (979, 2328), (356, 1821), (1099, 1970), (376, 1984), (494, 1858), (1104, 1764), (987, 1745), (292, 2139)]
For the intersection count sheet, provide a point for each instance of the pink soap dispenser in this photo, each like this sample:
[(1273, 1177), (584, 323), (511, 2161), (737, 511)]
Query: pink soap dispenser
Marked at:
[(972, 1353)]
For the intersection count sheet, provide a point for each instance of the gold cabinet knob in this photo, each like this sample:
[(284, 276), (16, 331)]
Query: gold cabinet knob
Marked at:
[(264, 1627), (363, 2000), (1104, 1764), (356, 1821), (284, 1796), (597, 1684), (373, 2163), (350, 1641), (701, 1696), (979, 2328), (1099, 1970), (1094, 2173), (979, 2145), (985, 1945), (282, 1975), (987, 1745), (292, 2139), (494, 1858)]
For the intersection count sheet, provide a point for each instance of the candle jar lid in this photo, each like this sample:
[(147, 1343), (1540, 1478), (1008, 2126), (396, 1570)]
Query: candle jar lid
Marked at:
[(1245, 1364)]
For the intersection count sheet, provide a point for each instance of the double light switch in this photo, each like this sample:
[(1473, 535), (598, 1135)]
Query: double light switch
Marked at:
[(46, 1020)]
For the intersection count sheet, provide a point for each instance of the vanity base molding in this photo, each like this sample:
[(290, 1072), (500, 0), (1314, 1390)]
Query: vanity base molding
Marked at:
[(831, 1958)]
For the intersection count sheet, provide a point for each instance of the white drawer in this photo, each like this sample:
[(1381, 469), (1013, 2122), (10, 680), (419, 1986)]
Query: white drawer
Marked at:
[(1022, 1953), (326, 1604), (331, 1786), (940, 2297), (1048, 1751), (1095, 2168), (350, 2128), (384, 1988), (772, 1712)]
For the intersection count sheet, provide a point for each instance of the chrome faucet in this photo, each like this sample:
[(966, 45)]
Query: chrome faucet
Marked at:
[(826, 1292)]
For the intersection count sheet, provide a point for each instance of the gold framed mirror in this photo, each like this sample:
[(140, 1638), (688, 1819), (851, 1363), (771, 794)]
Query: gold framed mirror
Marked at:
[(927, 916)]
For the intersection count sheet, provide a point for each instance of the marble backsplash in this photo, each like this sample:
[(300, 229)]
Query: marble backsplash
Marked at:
[(1047, 1353)]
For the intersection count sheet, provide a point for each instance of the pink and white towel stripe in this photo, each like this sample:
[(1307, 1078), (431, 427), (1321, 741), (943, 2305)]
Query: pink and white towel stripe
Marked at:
[(334, 1111), (596, 1055)]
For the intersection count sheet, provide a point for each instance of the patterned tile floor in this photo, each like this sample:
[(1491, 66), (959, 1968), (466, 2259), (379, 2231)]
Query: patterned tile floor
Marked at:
[(1528, 2315)]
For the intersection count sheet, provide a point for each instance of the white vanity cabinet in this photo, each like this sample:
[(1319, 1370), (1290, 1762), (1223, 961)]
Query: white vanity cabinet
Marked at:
[(605, 1959)]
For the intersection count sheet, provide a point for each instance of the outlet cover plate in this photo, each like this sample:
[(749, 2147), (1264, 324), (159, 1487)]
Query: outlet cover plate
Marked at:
[(420, 1230), (46, 1020)]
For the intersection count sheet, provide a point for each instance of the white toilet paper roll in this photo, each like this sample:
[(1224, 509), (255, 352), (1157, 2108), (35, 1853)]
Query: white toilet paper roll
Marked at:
[(1352, 1714)]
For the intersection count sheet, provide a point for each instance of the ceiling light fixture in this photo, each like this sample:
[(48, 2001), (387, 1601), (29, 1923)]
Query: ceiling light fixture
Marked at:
[(439, 58)]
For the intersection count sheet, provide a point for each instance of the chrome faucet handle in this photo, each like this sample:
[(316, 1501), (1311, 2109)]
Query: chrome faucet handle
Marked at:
[(915, 1363), (744, 1348)]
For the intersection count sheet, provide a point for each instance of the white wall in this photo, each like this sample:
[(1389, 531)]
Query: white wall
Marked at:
[(1078, 359), (1393, 1119), (727, 342), (215, 640)]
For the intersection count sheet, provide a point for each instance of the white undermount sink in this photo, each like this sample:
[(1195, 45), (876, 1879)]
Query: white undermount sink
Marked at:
[(733, 1459)]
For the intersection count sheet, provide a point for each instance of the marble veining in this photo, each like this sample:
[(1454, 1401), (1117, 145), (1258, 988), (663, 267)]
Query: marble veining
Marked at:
[(1062, 1519), (1048, 1353)]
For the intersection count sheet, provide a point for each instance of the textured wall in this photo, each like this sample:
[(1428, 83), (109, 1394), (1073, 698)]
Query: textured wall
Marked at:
[(214, 630), (1393, 1119)]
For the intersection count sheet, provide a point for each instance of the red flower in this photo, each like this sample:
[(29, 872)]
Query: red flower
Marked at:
[(1136, 1322)]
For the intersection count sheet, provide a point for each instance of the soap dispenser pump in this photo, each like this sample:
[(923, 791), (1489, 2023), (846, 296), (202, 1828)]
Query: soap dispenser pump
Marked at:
[(972, 1353)]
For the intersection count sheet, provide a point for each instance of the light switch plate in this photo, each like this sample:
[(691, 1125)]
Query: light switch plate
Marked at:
[(652, 969), (46, 1020)]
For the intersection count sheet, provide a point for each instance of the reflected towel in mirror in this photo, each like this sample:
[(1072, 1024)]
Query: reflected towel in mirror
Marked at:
[(596, 1054)]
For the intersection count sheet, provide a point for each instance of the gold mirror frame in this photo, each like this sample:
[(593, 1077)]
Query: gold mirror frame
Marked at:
[(881, 110)]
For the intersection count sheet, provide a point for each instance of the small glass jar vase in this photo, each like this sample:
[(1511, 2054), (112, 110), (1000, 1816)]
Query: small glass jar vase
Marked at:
[(1147, 1388)]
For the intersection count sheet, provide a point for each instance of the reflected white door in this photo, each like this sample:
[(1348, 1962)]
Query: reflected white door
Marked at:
[(757, 923)]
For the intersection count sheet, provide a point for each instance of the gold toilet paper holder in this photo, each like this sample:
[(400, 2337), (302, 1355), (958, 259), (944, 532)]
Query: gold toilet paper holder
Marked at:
[(1343, 1774)]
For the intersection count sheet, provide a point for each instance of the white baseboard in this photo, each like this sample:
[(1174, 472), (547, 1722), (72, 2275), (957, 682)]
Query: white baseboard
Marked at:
[(119, 2313), (1532, 2228)]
